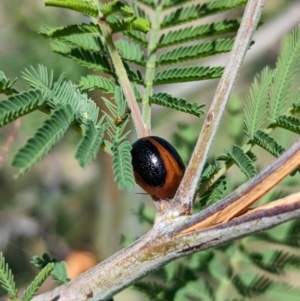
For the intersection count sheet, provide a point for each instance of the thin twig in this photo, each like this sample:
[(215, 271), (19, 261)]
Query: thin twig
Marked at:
[(241, 199), (158, 247), (141, 130), (182, 202)]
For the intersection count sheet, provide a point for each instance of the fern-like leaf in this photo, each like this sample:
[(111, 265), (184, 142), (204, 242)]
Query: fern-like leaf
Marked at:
[(115, 7), (131, 23), (59, 273), (66, 31), (148, 3), (191, 33), (44, 139), (277, 264), (21, 104), (242, 160), (209, 170), (194, 12), (90, 143), (255, 109), (172, 3), (122, 166), (137, 36), (6, 87), (268, 143), (295, 100), (286, 68), (177, 75), (89, 59), (83, 6), (93, 82), (37, 282), (290, 123), (179, 104), (193, 52), (7, 279), (258, 286), (86, 42), (214, 193), (39, 78), (131, 52)]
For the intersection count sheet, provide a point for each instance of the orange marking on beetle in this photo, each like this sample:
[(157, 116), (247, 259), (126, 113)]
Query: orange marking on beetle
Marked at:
[(174, 171)]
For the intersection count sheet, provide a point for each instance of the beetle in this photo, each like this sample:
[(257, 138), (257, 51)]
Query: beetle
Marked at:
[(157, 166)]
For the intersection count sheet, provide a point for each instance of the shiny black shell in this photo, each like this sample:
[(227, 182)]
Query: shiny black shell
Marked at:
[(157, 166)]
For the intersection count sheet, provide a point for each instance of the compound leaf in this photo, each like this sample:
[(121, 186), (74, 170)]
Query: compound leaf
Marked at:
[(197, 51), (268, 143), (122, 166), (179, 104), (176, 75), (88, 147), (21, 104), (44, 139), (93, 82), (83, 6), (191, 33)]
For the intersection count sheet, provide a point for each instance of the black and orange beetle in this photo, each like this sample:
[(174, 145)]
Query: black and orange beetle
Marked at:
[(157, 166)]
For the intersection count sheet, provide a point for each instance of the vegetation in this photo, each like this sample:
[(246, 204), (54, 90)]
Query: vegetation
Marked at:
[(127, 65)]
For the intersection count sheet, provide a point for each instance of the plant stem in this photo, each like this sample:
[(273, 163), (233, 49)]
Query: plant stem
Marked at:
[(183, 199), (141, 130), (150, 66)]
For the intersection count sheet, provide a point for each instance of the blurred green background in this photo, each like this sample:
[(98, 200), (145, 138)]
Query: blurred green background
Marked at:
[(58, 207)]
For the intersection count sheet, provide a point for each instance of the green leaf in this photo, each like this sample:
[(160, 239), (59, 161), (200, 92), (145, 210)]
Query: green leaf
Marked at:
[(194, 12), (258, 285), (242, 161), (84, 107), (85, 7), (89, 59), (39, 78), (41, 262), (148, 3), (131, 52), (286, 68), (65, 31), (93, 82), (21, 104), (179, 104), (295, 100), (191, 33), (193, 52), (6, 87), (37, 282), (131, 23), (288, 122), (44, 139), (88, 147), (277, 264), (86, 42), (122, 166), (137, 36), (7, 279), (59, 274), (209, 171), (214, 193), (142, 13), (173, 3), (177, 75), (255, 109), (268, 143), (115, 7)]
